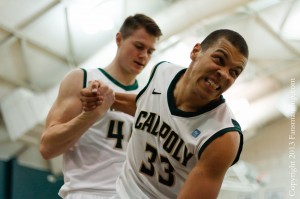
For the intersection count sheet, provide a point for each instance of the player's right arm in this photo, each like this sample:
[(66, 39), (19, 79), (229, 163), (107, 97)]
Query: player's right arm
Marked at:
[(66, 122)]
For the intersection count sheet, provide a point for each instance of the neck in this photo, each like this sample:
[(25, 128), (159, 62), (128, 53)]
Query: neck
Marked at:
[(185, 99), (181, 96)]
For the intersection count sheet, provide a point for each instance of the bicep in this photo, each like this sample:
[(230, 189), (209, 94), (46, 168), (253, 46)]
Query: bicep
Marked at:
[(209, 172)]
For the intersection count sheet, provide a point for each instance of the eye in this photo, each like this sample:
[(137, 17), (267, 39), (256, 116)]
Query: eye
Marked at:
[(150, 52), (140, 47), (219, 60), (234, 73)]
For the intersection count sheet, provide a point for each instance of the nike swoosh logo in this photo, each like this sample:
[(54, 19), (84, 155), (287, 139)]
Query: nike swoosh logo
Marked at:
[(155, 93)]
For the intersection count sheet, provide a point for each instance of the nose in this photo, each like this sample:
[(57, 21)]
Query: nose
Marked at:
[(144, 54), (223, 73)]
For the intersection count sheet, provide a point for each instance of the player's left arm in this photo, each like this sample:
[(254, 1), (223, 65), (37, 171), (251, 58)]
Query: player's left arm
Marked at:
[(205, 179), (125, 102)]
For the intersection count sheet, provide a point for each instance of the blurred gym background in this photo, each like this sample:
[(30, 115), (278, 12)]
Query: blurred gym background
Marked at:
[(42, 40)]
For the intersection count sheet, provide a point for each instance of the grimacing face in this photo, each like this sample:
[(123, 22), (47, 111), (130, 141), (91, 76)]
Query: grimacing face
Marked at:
[(216, 69)]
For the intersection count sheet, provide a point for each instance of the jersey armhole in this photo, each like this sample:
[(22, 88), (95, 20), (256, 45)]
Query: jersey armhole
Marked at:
[(218, 134), (84, 78)]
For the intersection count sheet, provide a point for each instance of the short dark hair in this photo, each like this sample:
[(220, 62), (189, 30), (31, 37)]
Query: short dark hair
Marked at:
[(233, 37), (137, 21)]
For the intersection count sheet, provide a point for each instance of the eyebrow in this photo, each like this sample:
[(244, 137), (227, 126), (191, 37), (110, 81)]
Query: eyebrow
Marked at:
[(153, 49), (226, 55), (223, 52)]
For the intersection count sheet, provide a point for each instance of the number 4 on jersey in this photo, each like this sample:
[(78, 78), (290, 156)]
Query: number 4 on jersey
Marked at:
[(116, 131)]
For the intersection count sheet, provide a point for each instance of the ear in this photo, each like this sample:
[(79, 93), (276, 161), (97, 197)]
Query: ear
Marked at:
[(195, 51), (118, 39)]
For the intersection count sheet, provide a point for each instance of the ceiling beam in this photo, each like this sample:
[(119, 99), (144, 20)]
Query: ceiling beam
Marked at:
[(37, 15), (18, 35), (187, 13), (277, 36), (287, 14)]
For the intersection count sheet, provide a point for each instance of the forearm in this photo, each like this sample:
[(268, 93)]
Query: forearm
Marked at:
[(206, 189), (59, 137), (125, 103), (208, 184)]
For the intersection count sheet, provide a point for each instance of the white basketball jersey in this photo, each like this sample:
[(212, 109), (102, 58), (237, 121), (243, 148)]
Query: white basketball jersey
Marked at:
[(95, 161), (166, 142)]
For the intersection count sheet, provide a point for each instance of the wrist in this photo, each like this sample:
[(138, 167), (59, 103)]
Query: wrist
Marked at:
[(89, 116)]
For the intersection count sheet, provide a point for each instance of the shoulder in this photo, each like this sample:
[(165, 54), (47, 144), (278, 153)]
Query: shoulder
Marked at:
[(166, 65), (73, 74), (165, 68), (72, 83)]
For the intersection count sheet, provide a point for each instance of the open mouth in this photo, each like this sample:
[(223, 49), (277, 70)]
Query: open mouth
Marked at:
[(213, 84)]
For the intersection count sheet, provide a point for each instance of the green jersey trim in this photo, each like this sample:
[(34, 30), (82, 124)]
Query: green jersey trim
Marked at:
[(134, 86), (236, 128), (84, 78)]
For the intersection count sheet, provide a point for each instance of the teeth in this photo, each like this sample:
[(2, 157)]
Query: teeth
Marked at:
[(215, 86)]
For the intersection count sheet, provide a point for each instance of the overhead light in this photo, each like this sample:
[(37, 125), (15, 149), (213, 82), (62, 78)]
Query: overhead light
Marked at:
[(95, 22), (93, 18)]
